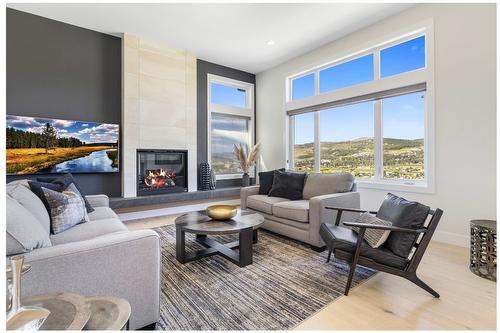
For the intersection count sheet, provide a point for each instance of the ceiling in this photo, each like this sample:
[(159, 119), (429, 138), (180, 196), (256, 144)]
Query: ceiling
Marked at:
[(234, 35)]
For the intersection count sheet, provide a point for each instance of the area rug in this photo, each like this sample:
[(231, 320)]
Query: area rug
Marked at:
[(287, 283)]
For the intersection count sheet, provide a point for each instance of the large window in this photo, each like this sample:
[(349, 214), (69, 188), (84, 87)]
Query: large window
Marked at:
[(230, 122), (369, 114)]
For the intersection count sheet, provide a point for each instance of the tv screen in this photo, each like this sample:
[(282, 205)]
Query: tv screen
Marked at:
[(41, 145)]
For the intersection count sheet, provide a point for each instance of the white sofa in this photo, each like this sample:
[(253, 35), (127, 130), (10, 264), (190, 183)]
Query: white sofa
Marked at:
[(99, 257), (301, 219)]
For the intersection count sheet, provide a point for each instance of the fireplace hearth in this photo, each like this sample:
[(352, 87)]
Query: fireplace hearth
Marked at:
[(161, 171)]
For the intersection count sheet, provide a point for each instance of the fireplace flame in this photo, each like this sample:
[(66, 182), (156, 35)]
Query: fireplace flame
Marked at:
[(160, 178)]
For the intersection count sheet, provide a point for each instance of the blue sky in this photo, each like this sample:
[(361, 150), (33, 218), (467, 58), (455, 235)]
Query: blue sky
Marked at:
[(222, 94), (87, 132), (403, 116)]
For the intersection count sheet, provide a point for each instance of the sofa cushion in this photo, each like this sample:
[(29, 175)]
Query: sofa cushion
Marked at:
[(89, 230), (24, 231), (266, 179), (327, 183), (263, 203), (288, 185), (342, 238), (297, 210), (404, 214), (67, 208), (64, 181), (101, 213), (20, 192)]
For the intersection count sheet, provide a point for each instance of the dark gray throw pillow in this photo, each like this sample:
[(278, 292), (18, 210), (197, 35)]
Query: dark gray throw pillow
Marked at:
[(36, 187), (404, 214), (67, 208), (64, 181), (266, 179), (287, 185)]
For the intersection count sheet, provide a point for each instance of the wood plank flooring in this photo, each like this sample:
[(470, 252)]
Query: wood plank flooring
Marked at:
[(386, 302)]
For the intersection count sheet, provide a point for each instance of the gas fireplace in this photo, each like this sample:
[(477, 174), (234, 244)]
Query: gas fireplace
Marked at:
[(161, 171)]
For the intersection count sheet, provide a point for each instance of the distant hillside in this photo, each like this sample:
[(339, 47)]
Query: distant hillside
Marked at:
[(402, 158)]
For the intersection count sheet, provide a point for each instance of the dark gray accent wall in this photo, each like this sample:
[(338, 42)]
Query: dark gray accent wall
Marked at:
[(57, 70), (204, 68)]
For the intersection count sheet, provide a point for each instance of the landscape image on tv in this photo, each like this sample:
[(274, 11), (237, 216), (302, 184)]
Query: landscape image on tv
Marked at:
[(40, 145)]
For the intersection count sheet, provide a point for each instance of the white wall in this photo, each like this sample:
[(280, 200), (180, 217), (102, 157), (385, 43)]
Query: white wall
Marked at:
[(465, 110), (159, 104)]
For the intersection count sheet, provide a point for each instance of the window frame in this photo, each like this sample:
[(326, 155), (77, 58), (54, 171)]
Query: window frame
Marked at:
[(319, 101), (247, 112)]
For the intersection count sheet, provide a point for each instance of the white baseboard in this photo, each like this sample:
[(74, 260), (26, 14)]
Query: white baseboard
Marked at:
[(451, 238)]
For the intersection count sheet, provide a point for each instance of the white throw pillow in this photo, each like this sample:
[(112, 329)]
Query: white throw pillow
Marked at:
[(374, 237)]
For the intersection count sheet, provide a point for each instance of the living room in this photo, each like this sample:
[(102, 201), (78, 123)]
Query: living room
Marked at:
[(251, 166)]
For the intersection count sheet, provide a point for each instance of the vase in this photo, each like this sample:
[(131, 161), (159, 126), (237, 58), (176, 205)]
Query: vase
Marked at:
[(245, 180)]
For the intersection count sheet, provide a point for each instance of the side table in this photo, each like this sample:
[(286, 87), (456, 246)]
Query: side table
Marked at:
[(483, 248), (74, 312)]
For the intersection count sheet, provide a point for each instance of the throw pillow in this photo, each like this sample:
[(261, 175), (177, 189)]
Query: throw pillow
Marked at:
[(67, 208), (404, 214), (287, 185), (64, 181), (24, 231), (266, 179), (36, 188), (374, 237)]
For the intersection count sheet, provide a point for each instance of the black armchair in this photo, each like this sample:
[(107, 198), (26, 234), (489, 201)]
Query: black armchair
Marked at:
[(349, 246)]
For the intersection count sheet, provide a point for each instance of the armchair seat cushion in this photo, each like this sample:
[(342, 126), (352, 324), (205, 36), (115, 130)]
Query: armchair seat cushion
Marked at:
[(297, 210), (88, 230), (263, 203), (342, 238)]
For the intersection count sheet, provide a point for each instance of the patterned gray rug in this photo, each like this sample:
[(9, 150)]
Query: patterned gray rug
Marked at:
[(287, 283)]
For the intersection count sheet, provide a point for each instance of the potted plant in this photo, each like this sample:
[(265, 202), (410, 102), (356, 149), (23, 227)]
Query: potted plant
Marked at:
[(246, 160)]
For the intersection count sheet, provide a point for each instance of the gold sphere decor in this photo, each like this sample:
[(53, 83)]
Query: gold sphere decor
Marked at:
[(222, 212)]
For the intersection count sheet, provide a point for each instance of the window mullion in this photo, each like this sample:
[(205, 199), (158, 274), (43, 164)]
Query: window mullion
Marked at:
[(317, 144), (378, 140)]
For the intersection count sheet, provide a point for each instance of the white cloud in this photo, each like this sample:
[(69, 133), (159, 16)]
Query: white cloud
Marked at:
[(62, 123)]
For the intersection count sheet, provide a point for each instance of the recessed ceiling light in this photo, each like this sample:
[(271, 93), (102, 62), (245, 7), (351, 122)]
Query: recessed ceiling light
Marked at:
[(270, 43)]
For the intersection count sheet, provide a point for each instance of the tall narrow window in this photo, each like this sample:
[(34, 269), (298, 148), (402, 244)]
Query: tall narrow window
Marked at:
[(226, 131), (403, 136), (346, 140), (230, 121), (303, 147)]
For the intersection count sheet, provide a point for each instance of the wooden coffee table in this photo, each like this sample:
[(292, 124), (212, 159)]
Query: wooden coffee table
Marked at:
[(245, 224)]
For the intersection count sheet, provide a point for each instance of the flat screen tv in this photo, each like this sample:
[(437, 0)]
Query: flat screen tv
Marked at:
[(41, 145)]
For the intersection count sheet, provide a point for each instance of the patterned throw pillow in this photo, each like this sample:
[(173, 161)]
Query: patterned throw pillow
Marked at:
[(374, 237), (67, 208)]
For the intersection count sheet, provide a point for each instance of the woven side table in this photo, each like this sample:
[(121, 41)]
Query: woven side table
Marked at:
[(483, 248)]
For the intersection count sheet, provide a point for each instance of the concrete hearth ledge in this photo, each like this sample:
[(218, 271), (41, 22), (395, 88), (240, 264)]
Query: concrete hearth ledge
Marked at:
[(116, 203)]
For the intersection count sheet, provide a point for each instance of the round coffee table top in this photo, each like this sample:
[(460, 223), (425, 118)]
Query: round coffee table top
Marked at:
[(490, 224), (201, 223), (67, 311), (108, 313)]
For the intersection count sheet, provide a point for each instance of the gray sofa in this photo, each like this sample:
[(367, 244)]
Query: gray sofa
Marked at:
[(301, 219), (99, 257)]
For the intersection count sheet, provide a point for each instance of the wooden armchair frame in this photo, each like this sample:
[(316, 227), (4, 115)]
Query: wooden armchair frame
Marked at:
[(410, 270)]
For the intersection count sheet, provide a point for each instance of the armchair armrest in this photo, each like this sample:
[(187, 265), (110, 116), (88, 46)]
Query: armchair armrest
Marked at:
[(98, 200), (247, 191), (384, 227), (340, 210), (122, 264)]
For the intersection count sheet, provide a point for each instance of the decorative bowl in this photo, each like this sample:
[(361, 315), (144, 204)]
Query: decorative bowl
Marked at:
[(222, 212)]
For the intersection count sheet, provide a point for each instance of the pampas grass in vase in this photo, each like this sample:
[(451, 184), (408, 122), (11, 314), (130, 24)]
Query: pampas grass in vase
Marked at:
[(246, 161)]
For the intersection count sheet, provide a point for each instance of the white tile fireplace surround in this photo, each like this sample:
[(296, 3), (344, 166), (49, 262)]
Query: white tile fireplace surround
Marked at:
[(159, 105)]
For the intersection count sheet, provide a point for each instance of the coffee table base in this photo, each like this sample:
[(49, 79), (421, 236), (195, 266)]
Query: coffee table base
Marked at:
[(247, 237)]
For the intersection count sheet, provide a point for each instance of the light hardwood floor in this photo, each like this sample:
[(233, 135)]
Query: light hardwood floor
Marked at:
[(388, 302)]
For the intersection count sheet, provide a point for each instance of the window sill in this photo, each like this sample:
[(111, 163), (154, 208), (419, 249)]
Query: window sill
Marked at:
[(232, 176), (395, 186)]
